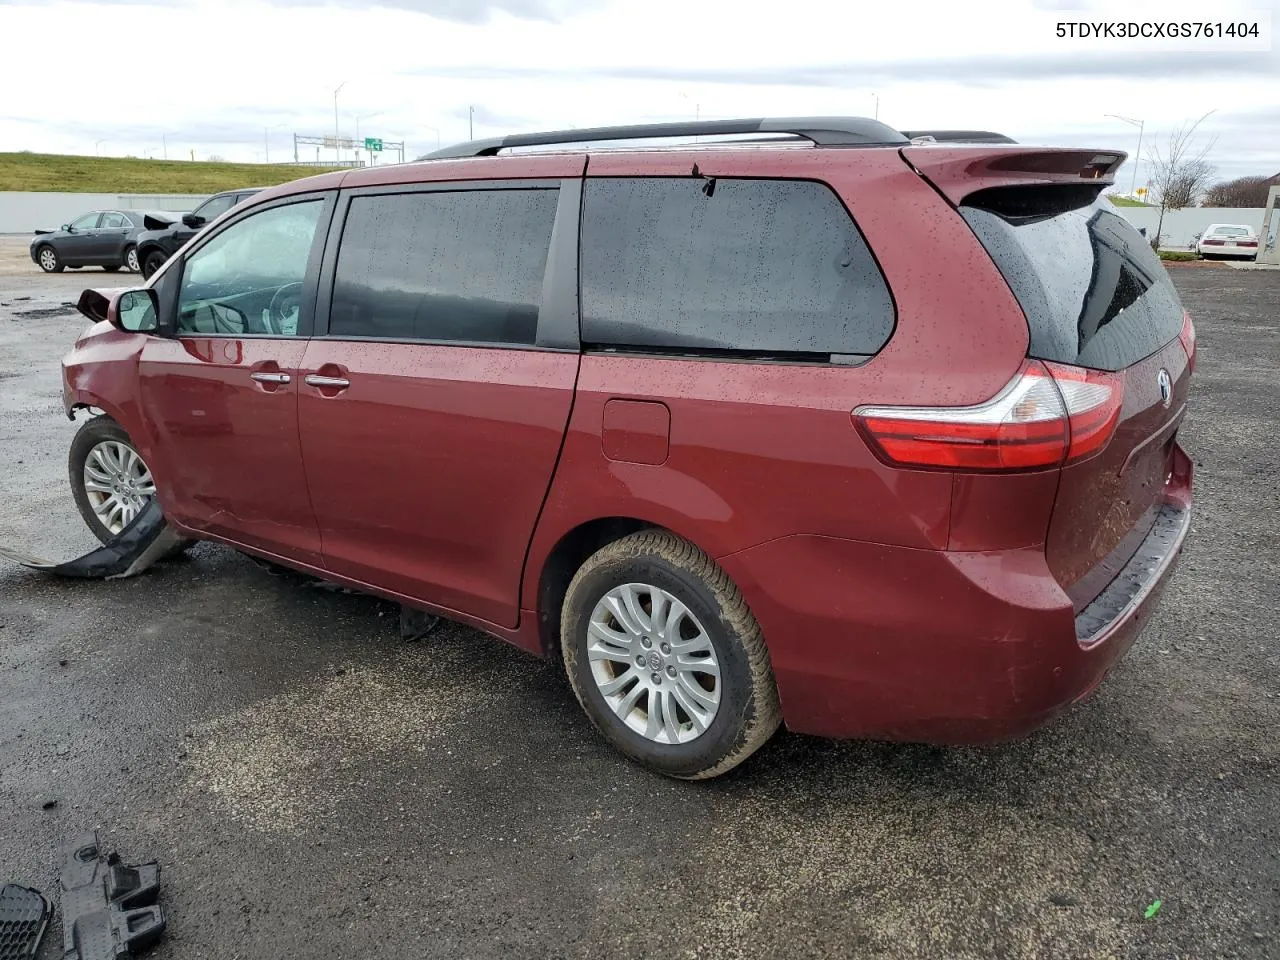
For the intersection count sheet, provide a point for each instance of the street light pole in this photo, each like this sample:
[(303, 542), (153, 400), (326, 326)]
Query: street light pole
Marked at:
[(436, 131), (877, 98), (97, 144), (471, 123), (336, 154), (1140, 124)]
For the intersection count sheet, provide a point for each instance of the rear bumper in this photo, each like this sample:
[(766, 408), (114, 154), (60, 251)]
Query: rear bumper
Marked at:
[(894, 643)]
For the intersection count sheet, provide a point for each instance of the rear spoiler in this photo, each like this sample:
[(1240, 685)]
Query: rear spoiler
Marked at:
[(959, 171)]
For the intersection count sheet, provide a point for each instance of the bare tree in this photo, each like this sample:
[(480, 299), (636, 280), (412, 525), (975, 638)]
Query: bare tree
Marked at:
[(1240, 192), (1179, 171)]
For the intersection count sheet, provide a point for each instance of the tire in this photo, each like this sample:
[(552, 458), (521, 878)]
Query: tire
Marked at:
[(659, 567), (151, 262), (130, 261), (48, 259), (91, 434)]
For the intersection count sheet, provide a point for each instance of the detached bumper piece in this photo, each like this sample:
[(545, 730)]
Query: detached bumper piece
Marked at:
[(109, 910), (24, 914), (132, 550)]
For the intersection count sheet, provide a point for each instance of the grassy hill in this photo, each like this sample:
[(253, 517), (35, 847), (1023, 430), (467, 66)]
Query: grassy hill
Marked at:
[(49, 172), (1126, 201)]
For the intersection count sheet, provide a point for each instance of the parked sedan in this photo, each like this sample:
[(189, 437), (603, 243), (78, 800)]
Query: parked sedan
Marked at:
[(1228, 240), (102, 238)]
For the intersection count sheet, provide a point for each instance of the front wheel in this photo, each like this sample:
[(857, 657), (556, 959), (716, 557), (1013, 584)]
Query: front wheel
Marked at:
[(49, 260), (665, 657), (109, 479), (151, 262)]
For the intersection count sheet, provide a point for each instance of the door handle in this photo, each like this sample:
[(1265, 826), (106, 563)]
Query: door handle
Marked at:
[(270, 377), (315, 380)]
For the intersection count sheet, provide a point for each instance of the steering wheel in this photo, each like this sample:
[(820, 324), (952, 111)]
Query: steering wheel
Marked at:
[(282, 312)]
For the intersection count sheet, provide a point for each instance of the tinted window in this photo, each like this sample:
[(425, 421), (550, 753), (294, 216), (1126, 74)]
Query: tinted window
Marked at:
[(1094, 292), (249, 277), (464, 266), (759, 266)]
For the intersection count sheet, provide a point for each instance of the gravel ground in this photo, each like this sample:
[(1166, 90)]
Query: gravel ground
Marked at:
[(314, 787)]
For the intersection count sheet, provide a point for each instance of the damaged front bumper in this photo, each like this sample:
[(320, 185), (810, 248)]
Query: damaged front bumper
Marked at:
[(135, 548)]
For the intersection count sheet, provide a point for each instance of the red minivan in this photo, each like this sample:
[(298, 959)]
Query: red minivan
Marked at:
[(872, 435)]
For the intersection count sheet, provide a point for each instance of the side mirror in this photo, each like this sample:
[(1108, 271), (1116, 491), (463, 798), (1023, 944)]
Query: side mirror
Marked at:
[(192, 220), (137, 311), (67, 228), (94, 305)]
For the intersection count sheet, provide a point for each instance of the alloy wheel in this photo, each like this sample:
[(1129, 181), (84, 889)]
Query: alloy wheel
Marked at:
[(118, 483), (653, 663)]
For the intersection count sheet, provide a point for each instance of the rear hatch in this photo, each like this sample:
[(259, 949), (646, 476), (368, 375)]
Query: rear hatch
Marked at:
[(1096, 297)]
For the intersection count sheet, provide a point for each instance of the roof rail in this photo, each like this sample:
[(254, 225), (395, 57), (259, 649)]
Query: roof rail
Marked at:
[(823, 131), (958, 136)]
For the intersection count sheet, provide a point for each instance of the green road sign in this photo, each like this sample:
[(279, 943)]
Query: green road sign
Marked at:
[(373, 144)]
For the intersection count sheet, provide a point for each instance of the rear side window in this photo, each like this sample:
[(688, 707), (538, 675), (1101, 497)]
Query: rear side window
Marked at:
[(461, 266), (1094, 292), (757, 267)]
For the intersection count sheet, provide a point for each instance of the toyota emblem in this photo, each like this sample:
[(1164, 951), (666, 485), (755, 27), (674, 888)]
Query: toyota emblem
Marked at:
[(1166, 387)]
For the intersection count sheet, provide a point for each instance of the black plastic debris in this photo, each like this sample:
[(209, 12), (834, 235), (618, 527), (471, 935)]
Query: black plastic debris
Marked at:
[(109, 910), (416, 624), (132, 550), (24, 915)]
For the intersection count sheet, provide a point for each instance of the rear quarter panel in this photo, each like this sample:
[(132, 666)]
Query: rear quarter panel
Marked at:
[(760, 451)]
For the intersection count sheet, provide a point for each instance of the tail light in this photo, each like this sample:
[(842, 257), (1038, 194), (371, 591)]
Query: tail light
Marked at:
[(1246, 243), (1188, 338), (1048, 415), (1213, 243)]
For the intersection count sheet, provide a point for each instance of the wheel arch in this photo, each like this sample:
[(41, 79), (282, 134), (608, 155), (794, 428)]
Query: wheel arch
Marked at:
[(569, 553)]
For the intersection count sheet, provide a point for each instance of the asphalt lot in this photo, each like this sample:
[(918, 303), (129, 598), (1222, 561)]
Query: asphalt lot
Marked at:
[(315, 787)]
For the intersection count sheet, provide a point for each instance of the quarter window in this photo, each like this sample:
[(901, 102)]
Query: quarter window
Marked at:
[(248, 279), (757, 267), (464, 266)]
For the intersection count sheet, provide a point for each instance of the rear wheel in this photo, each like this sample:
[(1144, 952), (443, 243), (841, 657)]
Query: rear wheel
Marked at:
[(665, 657), (131, 259), (152, 261), (48, 259)]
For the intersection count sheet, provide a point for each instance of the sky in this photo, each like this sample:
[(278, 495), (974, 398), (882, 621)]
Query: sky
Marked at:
[(237, 78)]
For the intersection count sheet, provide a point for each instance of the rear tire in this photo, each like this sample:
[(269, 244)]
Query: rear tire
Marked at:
[(49, 260), (152, 262), (131, 258), (711, 639)]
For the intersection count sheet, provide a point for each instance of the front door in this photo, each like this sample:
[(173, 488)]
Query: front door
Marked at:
[(433, 409), (221, 396), (75, 246)]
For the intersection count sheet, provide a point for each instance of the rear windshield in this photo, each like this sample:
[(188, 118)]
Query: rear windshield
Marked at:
[(1094, 292), (1230, 231)]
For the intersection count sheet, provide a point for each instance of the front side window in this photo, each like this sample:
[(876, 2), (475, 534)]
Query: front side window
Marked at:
[(756, 267), (464, 266), (88, 222), (248, 279), (215, 207)]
